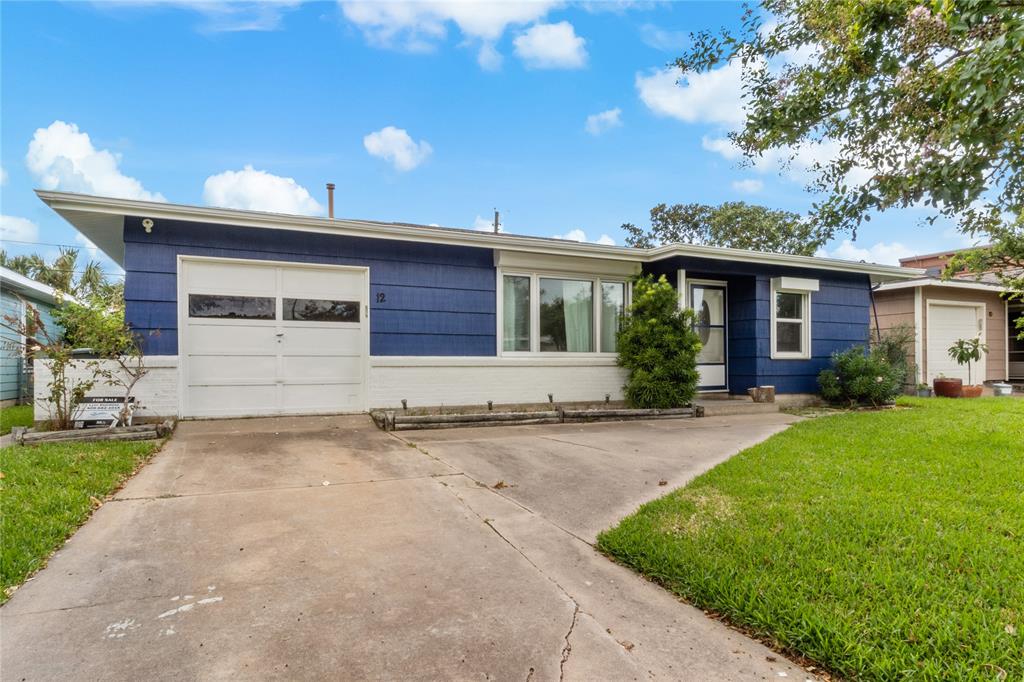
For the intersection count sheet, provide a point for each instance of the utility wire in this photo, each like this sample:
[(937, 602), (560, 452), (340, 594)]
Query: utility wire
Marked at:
[(63, 246)]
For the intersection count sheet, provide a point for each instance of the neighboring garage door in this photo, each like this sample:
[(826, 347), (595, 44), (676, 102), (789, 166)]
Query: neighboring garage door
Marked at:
[(948, 323), (269, 338)]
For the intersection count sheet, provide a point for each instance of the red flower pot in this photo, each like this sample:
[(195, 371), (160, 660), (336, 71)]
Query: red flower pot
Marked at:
[(948, 388), (971, 391)]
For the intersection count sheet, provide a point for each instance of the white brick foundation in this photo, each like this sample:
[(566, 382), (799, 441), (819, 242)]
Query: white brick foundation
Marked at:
[(156, 394)]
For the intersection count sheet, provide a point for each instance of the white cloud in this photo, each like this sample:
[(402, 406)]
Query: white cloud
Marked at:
[(551, 46), (482, 224), (3, 176), (219, 17), (489, 58), (258, 190), (419, 25), (748, 186), (578, 235), (62, 157), (13, 228), (662, 39), (711, 97), (880, 252), (87, 245), (603, 122), (396, 146)]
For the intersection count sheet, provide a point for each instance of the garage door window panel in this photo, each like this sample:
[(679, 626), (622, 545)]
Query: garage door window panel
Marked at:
[(319, 310), (231, 307)]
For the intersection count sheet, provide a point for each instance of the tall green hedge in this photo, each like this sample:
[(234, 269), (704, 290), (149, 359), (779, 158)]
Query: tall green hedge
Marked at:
[(659, 347)]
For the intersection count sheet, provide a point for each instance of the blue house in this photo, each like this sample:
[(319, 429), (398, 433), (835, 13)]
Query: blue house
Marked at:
[(249, 313), (17, 295)]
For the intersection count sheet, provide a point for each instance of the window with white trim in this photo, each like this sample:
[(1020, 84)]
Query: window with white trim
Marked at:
[(553, 313), (791, 323)]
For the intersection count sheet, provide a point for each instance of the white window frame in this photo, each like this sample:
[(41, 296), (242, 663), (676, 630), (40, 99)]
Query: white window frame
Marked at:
[(535, 277), (805, 323)]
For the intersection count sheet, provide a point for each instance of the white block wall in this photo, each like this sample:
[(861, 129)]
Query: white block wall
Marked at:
[(422, 381), (466, 380), (156, 394)]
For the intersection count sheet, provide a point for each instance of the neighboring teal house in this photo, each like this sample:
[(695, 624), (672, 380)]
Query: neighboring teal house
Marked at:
[(17, 292)]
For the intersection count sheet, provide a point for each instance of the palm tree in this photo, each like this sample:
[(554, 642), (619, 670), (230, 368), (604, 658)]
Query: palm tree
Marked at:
[(60, 274)]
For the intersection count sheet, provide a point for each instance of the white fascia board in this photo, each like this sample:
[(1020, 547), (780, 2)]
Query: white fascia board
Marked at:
[(944, 283), (796, 283), (75, 207)]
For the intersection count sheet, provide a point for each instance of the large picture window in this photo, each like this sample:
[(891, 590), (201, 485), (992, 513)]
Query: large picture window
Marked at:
[(516, 307), (547, 313), (566, 315), (613, 307)]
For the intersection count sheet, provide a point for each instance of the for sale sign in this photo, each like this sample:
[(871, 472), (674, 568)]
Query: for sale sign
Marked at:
[(105, 411)]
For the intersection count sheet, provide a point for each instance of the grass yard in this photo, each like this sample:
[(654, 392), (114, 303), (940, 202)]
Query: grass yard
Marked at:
[(882, 545), (19, 415), (47, 492)]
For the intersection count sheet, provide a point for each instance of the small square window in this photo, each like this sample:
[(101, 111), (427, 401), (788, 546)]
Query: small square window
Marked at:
[(791, 325)]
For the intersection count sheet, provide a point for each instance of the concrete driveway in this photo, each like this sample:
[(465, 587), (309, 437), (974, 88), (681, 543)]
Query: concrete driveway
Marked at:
[(311, 548)]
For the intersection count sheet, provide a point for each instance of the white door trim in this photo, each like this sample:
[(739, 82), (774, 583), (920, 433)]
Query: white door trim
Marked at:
[(183, 314), (982, 366), (724, 285)]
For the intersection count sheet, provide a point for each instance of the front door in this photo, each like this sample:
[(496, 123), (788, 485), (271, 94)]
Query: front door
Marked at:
[(708, 302)]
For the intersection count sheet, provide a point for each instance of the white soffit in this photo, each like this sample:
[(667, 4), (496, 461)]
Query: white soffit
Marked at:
[(540, 262)]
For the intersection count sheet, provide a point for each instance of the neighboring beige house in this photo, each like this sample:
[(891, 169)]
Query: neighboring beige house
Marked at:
[(943, 311)]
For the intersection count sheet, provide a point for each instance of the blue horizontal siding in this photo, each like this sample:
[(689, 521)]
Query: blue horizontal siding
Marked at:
[(839, 319), (427, 344), (437, 299)]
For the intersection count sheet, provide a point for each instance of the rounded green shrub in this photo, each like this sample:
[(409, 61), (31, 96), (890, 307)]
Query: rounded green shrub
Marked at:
[(659, 347), (860, 377)]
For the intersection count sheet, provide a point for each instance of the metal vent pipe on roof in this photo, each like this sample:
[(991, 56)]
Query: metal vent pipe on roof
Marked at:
[(330, 200)]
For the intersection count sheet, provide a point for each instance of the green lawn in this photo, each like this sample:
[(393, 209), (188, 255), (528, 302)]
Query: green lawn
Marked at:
[(883, 545), (45, 494), (19, 415)]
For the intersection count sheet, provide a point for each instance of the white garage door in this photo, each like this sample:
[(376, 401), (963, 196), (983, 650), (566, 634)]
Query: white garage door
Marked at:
[(948, 323), (265, 339)]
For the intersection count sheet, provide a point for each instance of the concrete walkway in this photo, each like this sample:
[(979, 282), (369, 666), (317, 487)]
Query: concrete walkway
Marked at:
[(312, 548)]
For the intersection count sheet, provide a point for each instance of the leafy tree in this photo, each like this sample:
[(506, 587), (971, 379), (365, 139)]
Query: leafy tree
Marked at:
[(61, 273), (118, 360), (922, 101), (659, 347), (734, 224)]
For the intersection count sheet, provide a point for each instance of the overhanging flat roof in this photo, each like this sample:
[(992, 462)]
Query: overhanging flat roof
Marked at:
[(29, 288), (100, 219), (946, 283)]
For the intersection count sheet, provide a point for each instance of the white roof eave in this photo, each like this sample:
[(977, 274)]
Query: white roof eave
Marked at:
[(101, 220)]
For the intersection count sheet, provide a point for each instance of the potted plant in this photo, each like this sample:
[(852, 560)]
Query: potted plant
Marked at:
[(964, 352), (947, 387), (924, 390)]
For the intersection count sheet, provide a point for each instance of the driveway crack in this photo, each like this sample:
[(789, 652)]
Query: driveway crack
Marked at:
[(567, 649), (576, 610)]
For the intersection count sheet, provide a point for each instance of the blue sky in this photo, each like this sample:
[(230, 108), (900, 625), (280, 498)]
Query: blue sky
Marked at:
[(560, 115)]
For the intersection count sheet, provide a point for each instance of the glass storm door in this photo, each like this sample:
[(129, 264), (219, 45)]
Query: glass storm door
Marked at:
[(708, 302)]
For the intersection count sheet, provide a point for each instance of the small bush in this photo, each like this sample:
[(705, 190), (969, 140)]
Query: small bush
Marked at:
[(894, 345), (859, 377), (659, 347)]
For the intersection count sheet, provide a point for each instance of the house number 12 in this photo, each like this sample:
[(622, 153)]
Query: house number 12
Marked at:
[(381, 297)]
